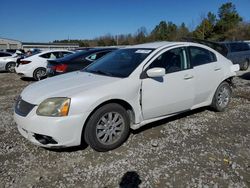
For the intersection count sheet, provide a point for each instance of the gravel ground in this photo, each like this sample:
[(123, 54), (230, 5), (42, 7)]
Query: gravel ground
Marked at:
[(201, 148)]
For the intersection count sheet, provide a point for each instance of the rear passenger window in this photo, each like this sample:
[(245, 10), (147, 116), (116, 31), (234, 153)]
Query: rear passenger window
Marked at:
[(65, 53), (201, 56), (96, 56), (244, 47), (4, 54), (46, 56), (238, 47)]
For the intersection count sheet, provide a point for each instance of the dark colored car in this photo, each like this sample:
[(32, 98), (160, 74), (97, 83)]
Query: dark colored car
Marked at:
[(5, 54), (76, 61), (238, 53)]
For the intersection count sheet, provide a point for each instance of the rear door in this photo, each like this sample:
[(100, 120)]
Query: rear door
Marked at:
[(208, 73)]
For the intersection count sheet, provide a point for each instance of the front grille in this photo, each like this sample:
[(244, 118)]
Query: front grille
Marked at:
[(22, 107)]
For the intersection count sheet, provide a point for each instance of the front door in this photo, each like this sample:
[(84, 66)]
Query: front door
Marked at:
[(173, 92)]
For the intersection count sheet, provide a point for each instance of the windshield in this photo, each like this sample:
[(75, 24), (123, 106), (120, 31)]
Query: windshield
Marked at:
[(120, 63)]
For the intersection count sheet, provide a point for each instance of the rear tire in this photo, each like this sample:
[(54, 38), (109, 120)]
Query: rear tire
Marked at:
[(107, 128), (10, 67), (39, 74), (245, 65), (222, 97)]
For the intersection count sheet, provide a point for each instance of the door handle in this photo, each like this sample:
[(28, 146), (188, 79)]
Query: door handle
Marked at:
[(187, 77), (217, 68)]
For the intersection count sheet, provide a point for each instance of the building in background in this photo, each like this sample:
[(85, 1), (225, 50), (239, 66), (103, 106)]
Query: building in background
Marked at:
[(15, 44), (48, 46), (10, 44)]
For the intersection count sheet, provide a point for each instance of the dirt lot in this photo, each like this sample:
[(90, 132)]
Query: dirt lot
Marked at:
[(197, 149)]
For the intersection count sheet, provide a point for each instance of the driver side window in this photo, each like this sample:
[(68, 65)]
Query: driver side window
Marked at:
[(172, 61)]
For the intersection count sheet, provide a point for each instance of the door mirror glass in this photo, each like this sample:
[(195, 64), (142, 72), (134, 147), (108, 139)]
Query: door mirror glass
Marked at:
[(156, 72)]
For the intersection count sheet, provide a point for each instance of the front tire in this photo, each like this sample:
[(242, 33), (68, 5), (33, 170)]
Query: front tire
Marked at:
[(222, 97), (107, 128), (10, 67), (39, 74)]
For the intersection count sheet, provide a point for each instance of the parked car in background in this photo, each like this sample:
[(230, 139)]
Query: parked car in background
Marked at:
[(238, 53), (34, 66), (125, 89), (76, 61), (27, 54), (12, 51), (7, 61), (5, 54), (248, 42)]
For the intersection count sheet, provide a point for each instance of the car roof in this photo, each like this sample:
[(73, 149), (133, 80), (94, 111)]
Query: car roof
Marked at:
[(154, 45), (82, 53), (46, 51), (233, 42)]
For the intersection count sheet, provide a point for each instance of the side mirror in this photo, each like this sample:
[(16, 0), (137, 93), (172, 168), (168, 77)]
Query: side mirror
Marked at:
[(156, 72)]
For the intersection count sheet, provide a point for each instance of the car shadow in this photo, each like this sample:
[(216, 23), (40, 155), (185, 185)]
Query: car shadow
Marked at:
[(83, 146), (168, 119), (245, 76), (27, 79)]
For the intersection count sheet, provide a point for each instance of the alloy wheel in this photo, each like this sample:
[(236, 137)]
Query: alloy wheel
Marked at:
[(109, 128)]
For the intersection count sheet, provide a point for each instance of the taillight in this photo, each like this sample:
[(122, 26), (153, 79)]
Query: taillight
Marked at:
[(61, 68), (23, 62)]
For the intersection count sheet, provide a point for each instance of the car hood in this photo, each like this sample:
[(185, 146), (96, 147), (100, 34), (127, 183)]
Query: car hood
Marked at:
[(66, 85)]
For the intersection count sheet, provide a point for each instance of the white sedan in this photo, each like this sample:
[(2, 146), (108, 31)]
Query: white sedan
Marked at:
[(35, 66), (7, 61), (124, 90)]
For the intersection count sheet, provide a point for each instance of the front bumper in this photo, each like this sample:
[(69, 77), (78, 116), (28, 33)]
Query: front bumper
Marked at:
[(64, 131)]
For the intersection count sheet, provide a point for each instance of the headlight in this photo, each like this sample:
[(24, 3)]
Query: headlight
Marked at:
[(54, 107)]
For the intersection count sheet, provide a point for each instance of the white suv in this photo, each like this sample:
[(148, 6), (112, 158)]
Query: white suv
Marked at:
[(126, 89), (35, 66)]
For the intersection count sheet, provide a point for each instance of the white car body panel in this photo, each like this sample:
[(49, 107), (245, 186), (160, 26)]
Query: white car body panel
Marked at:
[(154, 92), (150, 99), (27, 70), (5, 60)]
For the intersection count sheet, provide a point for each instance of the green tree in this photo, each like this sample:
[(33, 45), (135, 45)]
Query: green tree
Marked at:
[(229, 20), (205, 30), (159, 32), (141, 35), (182, 31), (164, 31)]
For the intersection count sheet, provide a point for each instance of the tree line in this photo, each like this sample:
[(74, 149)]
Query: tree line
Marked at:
[(226, 25)]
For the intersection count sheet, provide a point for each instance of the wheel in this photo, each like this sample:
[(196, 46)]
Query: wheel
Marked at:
[(107, 128), (245, 65), (39, 73), (10, 67), (222, 97)]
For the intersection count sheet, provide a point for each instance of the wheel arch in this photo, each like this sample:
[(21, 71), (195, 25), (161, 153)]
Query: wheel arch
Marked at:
[(38, 69), (9, 63), (123, 103), (229, 81)]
